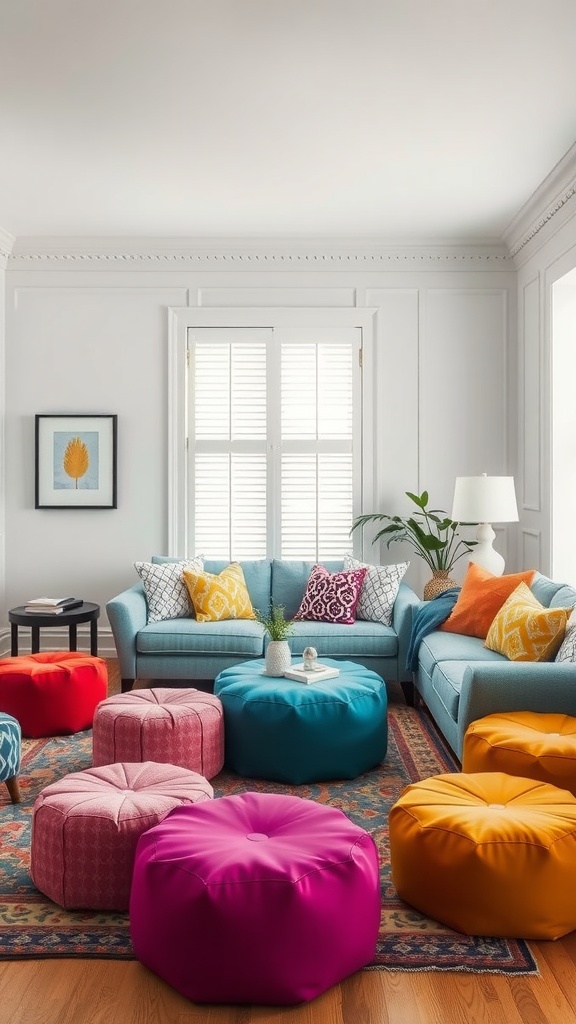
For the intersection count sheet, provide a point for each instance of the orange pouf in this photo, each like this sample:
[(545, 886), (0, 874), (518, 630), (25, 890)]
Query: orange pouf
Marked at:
[(52, 693), (525, 743), (487, 854)]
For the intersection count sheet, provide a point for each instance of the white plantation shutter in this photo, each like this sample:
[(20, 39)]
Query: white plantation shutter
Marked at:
[(274, 447), (316, 505)]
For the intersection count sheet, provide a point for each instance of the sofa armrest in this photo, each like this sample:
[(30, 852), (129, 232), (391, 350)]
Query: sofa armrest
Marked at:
[(127, 614), (406, 603), (491, 687)]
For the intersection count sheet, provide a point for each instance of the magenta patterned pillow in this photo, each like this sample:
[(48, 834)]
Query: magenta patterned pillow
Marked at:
[(331, 596)]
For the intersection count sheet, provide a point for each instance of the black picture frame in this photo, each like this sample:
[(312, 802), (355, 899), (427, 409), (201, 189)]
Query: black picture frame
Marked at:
[(76, 460)]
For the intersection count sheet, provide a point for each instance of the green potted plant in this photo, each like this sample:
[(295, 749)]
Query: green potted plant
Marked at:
[(278, 657), (432, 534)]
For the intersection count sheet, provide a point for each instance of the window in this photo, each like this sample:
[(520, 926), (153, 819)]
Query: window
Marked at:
[(274, 452)]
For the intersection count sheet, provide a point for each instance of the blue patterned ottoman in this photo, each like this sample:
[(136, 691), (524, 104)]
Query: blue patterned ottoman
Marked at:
[(286, 731), (10, 746)]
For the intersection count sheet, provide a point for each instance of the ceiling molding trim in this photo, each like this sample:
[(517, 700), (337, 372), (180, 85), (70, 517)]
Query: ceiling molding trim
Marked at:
[(551, 198), (54, 254), (544, 220)]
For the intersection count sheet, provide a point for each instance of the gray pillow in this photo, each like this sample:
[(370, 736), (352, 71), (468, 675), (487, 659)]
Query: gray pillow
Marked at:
[(379, 589), (567, 650), (166, 593)]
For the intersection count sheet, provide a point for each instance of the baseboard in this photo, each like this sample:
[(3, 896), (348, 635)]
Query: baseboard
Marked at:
[(57, 640)]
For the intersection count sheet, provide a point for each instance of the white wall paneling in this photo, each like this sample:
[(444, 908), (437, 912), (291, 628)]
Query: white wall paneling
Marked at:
[(3, 630), (86, 349), (91, 334), (396, 410), (531, 548), (223, 297), (531, 397), (542, 266), (563, 439), (463, 384)]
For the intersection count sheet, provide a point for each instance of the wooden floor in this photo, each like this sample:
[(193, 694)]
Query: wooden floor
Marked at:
[(117, 992)]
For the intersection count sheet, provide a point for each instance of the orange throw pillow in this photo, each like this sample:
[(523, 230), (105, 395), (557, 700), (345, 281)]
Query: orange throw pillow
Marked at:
[(480, 599)]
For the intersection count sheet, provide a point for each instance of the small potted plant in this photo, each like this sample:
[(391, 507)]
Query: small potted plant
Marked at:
[(432, 534), (278, 655)]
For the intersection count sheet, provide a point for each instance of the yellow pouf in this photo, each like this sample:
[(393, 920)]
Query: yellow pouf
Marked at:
[(525, 743), (487, 854)]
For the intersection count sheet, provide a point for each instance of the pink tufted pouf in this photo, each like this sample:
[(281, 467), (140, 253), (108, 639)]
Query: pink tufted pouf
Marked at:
[(85, 828), (184, 727), (255, 898), (52, 693)]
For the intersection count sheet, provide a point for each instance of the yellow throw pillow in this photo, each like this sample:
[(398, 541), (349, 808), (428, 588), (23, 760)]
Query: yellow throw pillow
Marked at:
[(224, 596), (524, 630)]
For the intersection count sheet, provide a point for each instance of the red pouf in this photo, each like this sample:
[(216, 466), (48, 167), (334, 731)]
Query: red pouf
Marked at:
[(86, 826), (184, 727), (52, 693)]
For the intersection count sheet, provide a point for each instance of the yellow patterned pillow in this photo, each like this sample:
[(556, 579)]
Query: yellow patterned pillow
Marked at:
[(524, 630), (219, 597)]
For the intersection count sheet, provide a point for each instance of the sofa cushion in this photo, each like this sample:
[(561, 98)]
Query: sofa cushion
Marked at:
[(523, 630), (481, 597), (219, 596), (438, 646), (165, 590), (242, 637), (331, 596), (289, 579), (447, 679), (379, 589), (551, 594), (362, 640)]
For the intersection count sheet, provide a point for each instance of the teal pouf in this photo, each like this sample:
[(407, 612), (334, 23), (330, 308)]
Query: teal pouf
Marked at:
[(10, 752), (286, 731)]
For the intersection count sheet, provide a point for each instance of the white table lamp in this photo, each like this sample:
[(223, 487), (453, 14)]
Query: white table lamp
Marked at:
[(485, 500)]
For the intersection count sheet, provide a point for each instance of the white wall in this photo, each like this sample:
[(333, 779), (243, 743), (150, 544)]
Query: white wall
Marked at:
[(90, 335)]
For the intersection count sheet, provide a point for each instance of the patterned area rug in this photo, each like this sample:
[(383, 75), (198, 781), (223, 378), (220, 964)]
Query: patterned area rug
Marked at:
[(32, 927)]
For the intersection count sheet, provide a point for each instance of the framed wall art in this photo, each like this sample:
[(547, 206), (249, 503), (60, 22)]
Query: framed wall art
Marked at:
[(76, 461)]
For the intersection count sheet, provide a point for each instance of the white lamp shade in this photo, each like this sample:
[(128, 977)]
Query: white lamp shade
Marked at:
[(485, 499)]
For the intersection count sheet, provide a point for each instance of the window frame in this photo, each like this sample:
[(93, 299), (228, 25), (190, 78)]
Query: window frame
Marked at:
[(180, 320)]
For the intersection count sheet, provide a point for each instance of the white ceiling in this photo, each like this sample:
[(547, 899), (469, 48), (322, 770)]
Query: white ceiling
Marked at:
[(405, 120)]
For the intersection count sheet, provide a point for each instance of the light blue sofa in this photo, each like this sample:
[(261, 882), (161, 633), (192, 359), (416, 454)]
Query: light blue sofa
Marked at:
[(178, 649), (460, 680)]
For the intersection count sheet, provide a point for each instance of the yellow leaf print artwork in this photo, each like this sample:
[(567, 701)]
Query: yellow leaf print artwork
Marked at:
[(76, 459)]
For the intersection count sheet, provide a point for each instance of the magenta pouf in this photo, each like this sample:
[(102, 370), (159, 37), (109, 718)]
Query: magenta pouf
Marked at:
[(255, 898), (85, 828), (183, 727)]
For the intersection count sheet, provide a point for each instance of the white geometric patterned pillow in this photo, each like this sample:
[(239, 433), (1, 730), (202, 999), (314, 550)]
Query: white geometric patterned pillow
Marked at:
[(379, 589), (166, 593), (567, 650)]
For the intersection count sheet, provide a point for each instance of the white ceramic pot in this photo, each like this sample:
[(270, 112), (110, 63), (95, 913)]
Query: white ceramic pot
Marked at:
[(278, 658)]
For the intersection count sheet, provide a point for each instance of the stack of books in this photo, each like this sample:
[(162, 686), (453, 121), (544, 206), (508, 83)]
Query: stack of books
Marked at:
[(52, 605), (312, 675)]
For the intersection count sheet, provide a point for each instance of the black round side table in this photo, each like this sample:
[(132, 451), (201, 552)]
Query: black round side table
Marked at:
[(36, 621)]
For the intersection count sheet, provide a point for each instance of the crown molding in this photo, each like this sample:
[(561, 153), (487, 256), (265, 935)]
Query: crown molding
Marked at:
[(549, 207), (6, 246), (275, 254)]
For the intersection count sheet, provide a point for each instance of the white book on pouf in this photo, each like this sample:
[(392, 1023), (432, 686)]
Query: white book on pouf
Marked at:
[(312, 675)]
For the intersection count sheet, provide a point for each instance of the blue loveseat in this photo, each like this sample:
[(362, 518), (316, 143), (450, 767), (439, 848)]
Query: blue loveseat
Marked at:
[(182, 649), (460, 680)]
